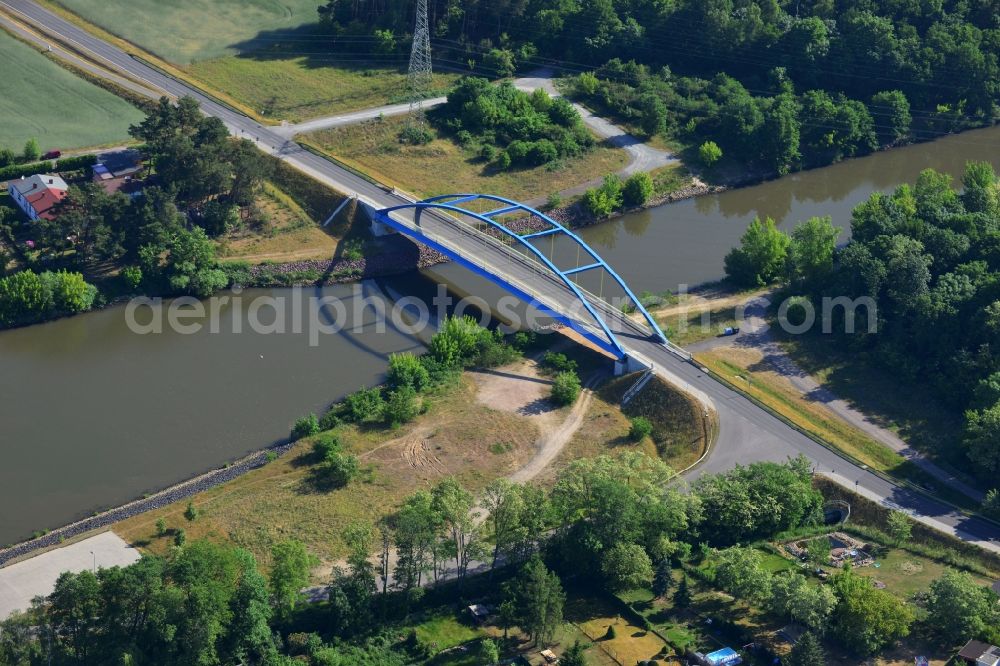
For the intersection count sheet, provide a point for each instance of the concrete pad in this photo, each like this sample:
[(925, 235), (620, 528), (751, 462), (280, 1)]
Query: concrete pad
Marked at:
[(22, 581)]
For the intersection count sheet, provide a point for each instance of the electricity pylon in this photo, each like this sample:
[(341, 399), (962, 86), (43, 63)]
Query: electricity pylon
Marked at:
[(419, 76)]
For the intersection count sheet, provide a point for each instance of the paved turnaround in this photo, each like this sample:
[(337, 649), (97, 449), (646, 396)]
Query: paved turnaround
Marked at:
[(747, 433)]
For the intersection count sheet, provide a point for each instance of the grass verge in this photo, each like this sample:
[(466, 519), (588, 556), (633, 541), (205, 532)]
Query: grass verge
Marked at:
[(442, 167), (743, 369)]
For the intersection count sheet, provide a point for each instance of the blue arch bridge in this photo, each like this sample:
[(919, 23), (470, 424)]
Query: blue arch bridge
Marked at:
[(500, 240)]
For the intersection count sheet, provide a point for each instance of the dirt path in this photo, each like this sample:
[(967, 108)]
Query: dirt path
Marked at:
[(520, 389)]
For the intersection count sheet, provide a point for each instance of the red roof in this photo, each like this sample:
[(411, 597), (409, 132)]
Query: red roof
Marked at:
[(44, 201)]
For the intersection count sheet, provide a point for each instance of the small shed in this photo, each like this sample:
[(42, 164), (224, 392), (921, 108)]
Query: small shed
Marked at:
[(549, 656), (479, 613)]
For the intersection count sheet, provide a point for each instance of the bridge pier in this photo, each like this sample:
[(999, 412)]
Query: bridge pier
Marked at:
[(628, 365)]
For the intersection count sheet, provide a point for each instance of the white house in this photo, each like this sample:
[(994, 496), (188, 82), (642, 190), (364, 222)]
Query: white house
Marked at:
[(37, 195)]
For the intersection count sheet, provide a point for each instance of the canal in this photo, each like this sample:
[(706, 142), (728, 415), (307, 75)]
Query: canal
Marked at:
[(95, 414)]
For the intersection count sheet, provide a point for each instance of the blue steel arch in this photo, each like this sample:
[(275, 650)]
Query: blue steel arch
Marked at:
[(449, 202)]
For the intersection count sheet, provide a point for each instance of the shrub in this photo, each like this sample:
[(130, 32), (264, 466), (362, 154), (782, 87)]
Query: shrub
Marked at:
[(406, 370), (542, 151), (18, 170), (324, 446), (415, 135), (401, 407), (31, 151), (190, 513), (500, 62), (180, 537), (305, 426), (365, 404), (74, 163), (161, 527), (604, 200), (339, 469), (331, 419), (565, 388), (488, 152), (503, 161), (464, 137), (558, 362), (709, 153), (132, 277), (641, 428), (637, 189)]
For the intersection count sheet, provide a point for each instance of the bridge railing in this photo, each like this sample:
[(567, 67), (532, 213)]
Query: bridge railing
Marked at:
[(525, 259)]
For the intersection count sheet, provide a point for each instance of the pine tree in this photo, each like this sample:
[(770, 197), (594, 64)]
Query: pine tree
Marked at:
[(574, 655), (664, 578), (682, 597), (807, 652)]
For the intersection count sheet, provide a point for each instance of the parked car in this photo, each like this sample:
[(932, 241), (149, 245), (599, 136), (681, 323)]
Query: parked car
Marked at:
[(730, 330), (52, 155)]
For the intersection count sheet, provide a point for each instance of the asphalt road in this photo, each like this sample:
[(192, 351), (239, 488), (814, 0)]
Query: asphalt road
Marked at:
[(747, 433)]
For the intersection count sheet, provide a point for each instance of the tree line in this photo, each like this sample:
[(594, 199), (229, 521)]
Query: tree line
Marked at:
[(929, 258), (872, 61)]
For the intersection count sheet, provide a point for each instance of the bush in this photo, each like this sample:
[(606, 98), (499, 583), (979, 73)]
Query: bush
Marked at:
[(18, 170), (406, 370), (641, 428), (503, 161), (558, 362), (324, 446), (604, 200), (637, 189), (464, 137), (132, 277), (365, 405), (500, 62), (565, 388), (339, 469), (305, 426), (190, 513), (709, 153), (75, 163), (488, 152), (331, 419), (401, 407), (542, 151), (415, 135)]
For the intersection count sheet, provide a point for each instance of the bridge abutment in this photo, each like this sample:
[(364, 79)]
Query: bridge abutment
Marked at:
[(629, 365)]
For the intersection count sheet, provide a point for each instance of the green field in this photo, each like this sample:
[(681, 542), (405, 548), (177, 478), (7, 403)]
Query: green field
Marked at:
[(38, 98), (285, 86), (183, 32)]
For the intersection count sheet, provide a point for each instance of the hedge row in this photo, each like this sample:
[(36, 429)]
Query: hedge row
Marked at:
[(17, 170), (75, 163)]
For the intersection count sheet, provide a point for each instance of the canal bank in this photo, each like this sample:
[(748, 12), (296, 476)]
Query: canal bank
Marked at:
[(96, 415)]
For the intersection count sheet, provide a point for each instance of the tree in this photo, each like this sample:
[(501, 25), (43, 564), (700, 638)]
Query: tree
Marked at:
[(900, 527), (867, 619), (180, 538), (249, 639), (891, 111), (540, 600), (980, 193), (500, 62), (161, 527), (796, 598), (991, 503), (653, 114), (807, 652), (738, 571), (682, 597), (565, 388), (709, 153), (573, 656), (489, 653), (190, 513), (663, 579), (626, 566), (190, 265), (638, 189), (504, 508), (454, 504), (780, 134), (401, 406), (959, 608), (31, 152), (290, 565), (760, 258), (810, 253), (982, 438)]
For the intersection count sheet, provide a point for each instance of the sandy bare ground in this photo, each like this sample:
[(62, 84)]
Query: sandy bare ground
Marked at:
[(520, 389)]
